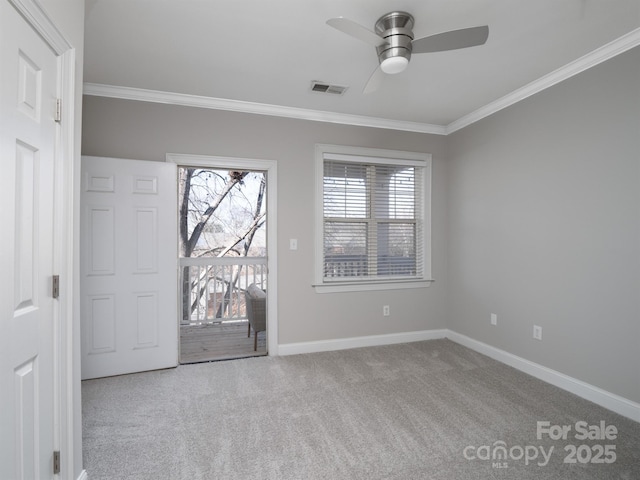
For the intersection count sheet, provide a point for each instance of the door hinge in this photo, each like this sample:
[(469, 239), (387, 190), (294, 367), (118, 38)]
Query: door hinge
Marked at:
[(55, 288), (56, 462), (58, 117)]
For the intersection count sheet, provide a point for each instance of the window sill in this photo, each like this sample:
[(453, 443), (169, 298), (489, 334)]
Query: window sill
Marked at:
[(338, 287)]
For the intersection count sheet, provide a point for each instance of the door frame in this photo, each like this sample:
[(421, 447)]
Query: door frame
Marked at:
[(271, 167), (66, 382)]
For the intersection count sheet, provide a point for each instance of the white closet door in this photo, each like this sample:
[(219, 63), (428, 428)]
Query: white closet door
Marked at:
[(28, 131), (128, 266)]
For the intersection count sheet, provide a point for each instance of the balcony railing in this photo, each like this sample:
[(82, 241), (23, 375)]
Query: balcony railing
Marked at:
[(340, 266), (213, 288)]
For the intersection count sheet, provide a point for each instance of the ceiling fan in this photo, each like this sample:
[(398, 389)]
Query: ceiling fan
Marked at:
[(394, 42)]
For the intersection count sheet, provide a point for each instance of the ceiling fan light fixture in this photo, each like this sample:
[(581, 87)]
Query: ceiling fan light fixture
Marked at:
[(394, 54), (393, 65), (394, 41)]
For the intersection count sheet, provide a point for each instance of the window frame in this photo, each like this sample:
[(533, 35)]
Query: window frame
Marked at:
[(375, 156)]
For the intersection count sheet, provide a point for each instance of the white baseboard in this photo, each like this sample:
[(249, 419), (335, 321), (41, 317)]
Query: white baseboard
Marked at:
[(589, 392), (83, 475), (601, 397), (357, 342)]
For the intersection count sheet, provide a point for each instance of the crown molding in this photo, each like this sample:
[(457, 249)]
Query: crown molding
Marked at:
[(182, 99), (606, 52), (610, 50)]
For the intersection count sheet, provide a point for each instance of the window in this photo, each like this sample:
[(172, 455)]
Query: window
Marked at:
[(372, 225)]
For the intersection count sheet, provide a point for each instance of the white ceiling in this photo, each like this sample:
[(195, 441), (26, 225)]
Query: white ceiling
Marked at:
[(268, 52)]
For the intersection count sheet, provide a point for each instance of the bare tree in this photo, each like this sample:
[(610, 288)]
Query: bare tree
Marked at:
[(202, 193), (258, 221), (189, 241)]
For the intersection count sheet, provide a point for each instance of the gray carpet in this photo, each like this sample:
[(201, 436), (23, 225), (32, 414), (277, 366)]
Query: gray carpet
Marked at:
[(409, 411)]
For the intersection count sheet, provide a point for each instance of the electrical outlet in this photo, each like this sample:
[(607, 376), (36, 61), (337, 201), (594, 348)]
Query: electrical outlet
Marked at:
[(385, 310), (293, 244), (537, 332), (494, 319)]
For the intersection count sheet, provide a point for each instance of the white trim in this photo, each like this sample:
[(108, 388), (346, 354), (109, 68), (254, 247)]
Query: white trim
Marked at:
[(271, 167), (67, 193), (594, 394), (610, 50), (322, 152), (355, 154), (38, 18), (358, 342), (186, 100), (83, 475), (589, 392), (367, 287)]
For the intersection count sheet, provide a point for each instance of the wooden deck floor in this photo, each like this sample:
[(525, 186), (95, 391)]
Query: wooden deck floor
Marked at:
[(205, 343)]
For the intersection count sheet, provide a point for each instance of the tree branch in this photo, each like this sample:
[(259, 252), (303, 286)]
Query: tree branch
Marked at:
[(197, 231)]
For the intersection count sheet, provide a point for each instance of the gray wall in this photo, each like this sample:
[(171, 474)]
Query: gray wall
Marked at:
[(544, 227), (129, 129), (535, 218)]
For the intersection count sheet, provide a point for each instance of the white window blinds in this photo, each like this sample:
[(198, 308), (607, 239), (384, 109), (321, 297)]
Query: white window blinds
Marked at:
[(372, 219)]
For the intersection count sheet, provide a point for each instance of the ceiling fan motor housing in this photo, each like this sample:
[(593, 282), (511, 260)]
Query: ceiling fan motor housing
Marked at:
[(397, 29)]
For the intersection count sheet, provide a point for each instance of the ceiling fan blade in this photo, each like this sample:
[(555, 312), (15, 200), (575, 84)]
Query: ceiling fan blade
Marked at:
[(355, 30), (374, 82), (453, 40)]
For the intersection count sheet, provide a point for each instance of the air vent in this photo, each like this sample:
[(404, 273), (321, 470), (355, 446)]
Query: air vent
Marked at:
[(321, 87)]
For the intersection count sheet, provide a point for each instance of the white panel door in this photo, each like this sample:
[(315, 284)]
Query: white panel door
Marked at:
[(128, 266), (29, 75)]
